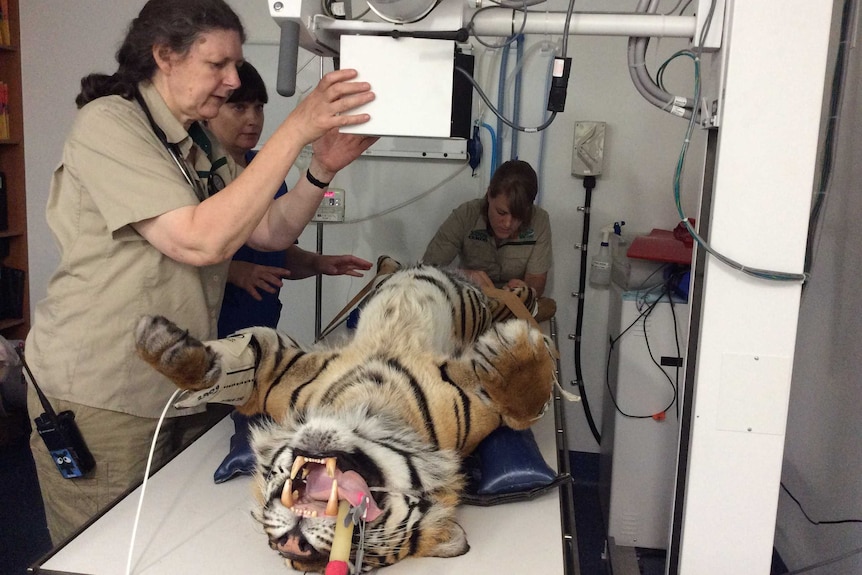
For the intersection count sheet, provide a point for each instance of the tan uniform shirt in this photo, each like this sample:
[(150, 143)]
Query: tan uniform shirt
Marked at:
[(115, 172), (465, 234)]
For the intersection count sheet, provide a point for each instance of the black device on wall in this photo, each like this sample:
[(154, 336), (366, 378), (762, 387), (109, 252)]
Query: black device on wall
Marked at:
[(462, 96)]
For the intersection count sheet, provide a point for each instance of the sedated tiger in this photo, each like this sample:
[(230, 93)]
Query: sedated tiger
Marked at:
[(390, 413)]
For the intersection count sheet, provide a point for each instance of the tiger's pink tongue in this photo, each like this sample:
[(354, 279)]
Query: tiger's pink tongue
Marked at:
[(351, 488)]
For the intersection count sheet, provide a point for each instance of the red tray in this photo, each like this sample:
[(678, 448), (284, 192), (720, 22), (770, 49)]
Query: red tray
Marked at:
[(663, 246)]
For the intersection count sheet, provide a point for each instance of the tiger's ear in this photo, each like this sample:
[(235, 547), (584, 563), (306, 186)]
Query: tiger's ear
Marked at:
[(446, 539)]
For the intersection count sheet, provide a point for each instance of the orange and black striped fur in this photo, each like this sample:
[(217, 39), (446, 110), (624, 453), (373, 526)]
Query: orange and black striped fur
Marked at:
[(424, 379)]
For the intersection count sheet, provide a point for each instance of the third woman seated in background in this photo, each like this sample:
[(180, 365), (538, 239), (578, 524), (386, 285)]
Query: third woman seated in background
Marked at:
[(501, 239)]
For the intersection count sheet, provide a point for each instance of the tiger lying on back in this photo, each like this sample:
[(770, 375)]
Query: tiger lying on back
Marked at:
[(389, 414)]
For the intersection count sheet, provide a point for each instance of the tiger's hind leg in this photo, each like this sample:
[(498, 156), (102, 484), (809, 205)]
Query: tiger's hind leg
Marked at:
[(175, 354)]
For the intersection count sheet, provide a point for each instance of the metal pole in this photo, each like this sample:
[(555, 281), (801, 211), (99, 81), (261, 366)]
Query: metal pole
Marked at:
[(318, 286)]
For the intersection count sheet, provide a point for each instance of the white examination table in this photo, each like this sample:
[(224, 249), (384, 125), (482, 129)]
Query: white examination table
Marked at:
[(190, 525)]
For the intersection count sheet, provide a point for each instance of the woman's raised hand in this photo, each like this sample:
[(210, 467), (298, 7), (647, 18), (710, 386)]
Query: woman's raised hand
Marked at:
[(326, 107)]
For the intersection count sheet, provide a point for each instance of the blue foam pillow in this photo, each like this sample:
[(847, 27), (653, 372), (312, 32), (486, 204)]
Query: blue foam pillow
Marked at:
[(240, 458), (507, 466)]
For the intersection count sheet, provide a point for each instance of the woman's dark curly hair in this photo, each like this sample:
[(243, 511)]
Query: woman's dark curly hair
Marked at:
[(172, 23), (517, 180)]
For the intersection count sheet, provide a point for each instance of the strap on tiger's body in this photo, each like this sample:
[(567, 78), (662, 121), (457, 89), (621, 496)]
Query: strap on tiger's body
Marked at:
[(337, 319), (351, 304), (516, 306)]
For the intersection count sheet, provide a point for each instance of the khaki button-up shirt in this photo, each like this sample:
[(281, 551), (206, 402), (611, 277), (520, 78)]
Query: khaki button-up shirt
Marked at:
[(116, 172)]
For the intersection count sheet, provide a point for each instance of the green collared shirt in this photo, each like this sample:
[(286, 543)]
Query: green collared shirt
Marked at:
[(115, 172), (465, 235)]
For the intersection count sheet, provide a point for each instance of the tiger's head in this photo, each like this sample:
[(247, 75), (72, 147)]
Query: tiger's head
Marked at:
[(309, 462)]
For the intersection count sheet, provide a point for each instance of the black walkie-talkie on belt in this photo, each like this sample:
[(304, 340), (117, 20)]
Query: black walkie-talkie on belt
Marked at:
[(61, 436)]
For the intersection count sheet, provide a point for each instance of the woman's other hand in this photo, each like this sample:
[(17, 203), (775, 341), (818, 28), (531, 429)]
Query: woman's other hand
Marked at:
[(342, 265), (479, 278), (516, 283), (253, 277)]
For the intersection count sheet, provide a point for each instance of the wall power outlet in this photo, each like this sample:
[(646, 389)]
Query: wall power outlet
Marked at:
[(589, 148), (331, 208)]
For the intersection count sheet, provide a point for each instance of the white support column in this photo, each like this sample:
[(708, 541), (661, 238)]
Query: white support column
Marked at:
[(774, 61)]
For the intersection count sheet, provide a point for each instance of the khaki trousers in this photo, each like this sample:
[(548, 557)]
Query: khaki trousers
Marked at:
[(120, 444)]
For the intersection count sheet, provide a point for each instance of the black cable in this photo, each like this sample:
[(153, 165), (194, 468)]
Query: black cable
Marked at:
[(831, 136), (667, 290), (589, 184), (673, 386), (499, 113), (673, 278), (678, 352), (612, 343), (812, 521), (826, 562)]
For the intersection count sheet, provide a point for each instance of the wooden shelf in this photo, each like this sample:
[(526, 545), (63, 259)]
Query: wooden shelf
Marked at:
[(14, 238), (10, 323)]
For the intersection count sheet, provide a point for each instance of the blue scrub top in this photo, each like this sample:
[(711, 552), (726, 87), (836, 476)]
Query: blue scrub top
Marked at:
[(239, 310)]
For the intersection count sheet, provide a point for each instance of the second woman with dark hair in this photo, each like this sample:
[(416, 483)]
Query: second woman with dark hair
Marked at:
[(255, 277)]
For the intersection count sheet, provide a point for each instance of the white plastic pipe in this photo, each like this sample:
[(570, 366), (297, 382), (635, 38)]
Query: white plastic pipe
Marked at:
[(506, 23)]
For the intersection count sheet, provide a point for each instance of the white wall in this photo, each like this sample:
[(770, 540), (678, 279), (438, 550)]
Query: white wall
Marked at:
[(642, 145), (823, 455)]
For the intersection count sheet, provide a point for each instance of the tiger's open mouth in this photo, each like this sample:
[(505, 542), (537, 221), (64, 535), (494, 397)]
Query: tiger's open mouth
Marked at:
[(316, 485)]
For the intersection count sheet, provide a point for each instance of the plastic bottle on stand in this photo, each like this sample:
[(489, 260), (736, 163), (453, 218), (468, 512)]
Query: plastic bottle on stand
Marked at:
[(600, 264), (621, 267)]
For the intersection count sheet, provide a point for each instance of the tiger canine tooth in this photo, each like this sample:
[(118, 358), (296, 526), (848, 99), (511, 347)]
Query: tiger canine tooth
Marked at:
[(332, 504), (298, 464), (330, 468), (287, 494)]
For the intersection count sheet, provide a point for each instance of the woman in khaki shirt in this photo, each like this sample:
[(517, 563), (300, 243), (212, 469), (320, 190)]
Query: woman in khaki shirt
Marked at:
[(502, 239), (141, 231)]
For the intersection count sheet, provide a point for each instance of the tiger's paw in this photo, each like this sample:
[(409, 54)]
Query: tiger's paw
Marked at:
[(175, 354), (521, 374)]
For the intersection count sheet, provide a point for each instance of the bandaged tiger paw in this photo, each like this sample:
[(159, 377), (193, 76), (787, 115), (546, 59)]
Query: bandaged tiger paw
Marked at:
[(389, 413), (387, 265), (546, 308)]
